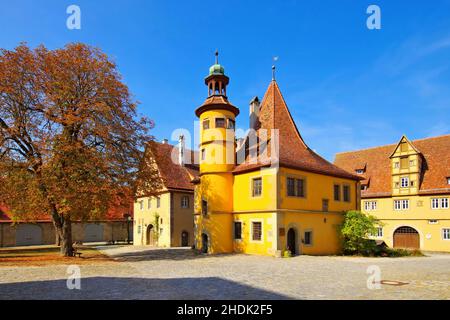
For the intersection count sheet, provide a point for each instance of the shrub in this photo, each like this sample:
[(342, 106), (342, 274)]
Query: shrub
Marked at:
[(355, 231)]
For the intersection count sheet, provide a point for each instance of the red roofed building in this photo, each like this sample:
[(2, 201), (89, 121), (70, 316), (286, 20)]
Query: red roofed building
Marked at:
[(165, 219), (407, 186), (269, 192)]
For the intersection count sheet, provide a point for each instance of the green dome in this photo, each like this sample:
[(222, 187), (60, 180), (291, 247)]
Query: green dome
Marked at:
[(216, 69)]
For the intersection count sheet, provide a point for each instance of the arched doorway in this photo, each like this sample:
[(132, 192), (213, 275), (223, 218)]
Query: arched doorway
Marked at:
[(204, 243), (184, 239), (151, 235), (407, 238), (291, 241)]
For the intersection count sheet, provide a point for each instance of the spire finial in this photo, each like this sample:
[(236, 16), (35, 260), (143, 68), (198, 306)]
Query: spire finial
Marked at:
[(217, 56), (275, 59)]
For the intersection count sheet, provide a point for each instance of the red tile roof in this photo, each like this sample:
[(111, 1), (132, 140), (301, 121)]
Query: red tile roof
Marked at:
[(435, 167), (173, 174), (293, 151)]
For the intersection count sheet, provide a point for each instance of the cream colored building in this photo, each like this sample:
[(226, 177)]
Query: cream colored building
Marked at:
[(407, 187), (166, 219)]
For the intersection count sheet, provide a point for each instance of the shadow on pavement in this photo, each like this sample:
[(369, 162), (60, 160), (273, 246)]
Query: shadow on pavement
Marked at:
[(111, 288)]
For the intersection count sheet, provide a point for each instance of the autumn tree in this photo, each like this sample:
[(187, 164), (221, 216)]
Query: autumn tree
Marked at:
[(71, 142)]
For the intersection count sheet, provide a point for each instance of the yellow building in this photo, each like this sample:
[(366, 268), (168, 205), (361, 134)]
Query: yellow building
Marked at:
[(165, 219), (269, 191), (407, 187)]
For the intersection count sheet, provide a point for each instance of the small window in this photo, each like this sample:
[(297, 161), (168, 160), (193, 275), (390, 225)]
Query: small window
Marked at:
[(434, 203), (446, 234), (379, 232), (346, 190), (364, 187), (412, 163), (204, 207), (161, 220), (325, 205), (203, 154), (404, 182), (433, 222), (139, 229), (238, 230), (396, 165), (444, 203), (205, 124), (370, 205), (149, 203), (412, 183), (337, 192), (397, 184), (256, 231), (231, 124), (141, 204), (185, 202), (257, 187), (158, 202), (220, 122), (308, 238), (401, 204), (296, 187)]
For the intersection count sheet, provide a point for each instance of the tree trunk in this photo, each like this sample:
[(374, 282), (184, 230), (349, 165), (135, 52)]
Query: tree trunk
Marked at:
[(57, 238), (66, 238)]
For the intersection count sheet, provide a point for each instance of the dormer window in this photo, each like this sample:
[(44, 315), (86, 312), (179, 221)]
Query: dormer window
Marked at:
[(448, 180), (404, 182), (360, 171)]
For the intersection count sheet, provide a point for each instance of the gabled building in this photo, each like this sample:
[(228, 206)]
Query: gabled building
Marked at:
[(407, 187), (268, 192), (165, 219)]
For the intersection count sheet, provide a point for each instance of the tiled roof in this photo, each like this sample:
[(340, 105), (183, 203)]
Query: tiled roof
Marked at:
[(293, 151), (435, 167), (173, 174)]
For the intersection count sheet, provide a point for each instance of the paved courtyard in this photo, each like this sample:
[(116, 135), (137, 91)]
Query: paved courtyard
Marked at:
[(143, 273)]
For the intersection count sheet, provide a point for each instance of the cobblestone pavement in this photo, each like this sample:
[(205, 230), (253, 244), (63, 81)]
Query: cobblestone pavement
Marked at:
[(143, 273)]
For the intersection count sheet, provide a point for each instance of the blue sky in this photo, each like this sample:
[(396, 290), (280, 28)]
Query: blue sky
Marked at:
[(347, 87)]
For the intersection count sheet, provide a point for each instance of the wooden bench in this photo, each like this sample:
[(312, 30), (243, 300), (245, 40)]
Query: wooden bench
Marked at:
[(77, 253)]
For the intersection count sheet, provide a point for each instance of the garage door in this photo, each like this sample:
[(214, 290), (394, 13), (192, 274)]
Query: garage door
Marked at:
[(28, 235), (93, 232), (406, 237)]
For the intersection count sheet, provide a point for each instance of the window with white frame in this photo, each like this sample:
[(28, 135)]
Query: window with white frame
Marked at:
[(141, 204), (158, 202), (446, 234), (185, 202), (149, 203), (439, 203), (256, 187), (379, 232), (370, 205), (139, 229), (401, 204), (404, 182), (444, 203)]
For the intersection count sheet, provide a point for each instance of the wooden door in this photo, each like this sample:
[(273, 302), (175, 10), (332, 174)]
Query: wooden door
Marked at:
[(406, 238)]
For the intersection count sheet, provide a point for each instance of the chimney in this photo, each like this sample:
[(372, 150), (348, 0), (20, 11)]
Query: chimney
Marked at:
[(254, 113), (165, 141), (181, 148)]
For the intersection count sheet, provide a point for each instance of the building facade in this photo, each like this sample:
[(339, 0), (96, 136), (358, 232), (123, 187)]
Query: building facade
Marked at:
[(407, 187), (165, 219), (268, 192)]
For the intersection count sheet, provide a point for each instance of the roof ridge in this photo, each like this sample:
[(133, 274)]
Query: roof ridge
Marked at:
[(392, 144)]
